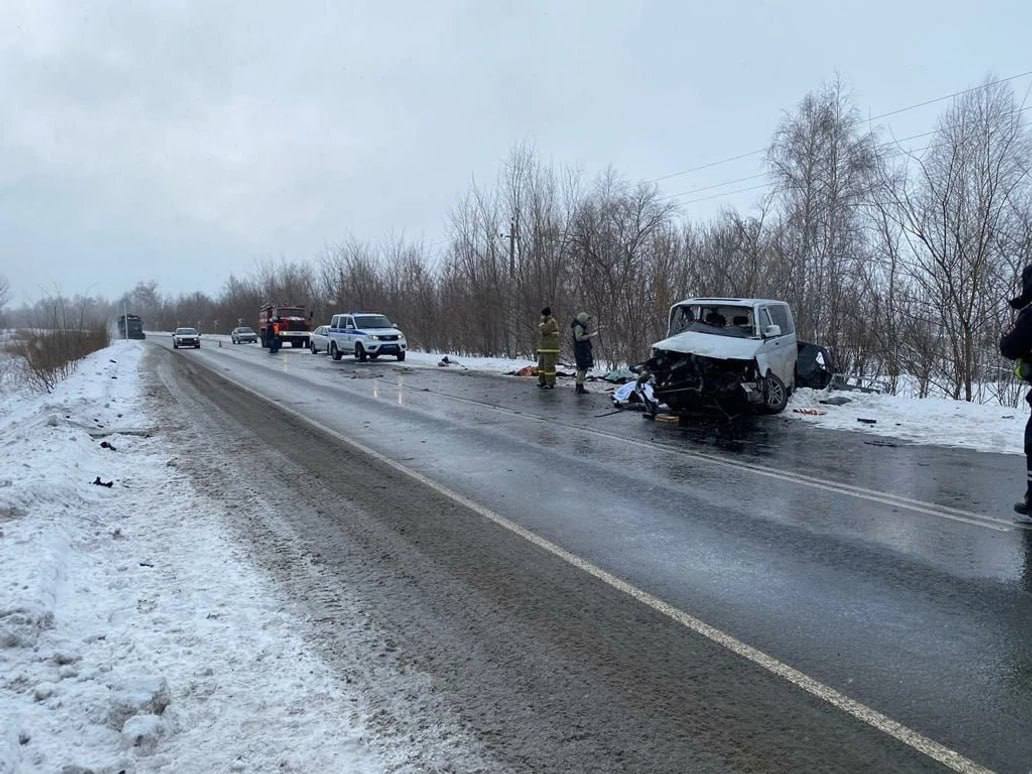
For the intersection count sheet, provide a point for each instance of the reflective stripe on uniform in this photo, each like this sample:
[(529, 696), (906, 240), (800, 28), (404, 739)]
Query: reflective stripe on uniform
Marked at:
[(548, 351)]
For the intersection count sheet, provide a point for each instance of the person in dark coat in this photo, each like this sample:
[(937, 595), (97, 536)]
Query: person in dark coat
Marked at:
[(582, 350), (1016, 345)]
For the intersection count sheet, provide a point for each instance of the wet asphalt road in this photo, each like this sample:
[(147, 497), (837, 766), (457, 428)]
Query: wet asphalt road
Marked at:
[(794, 540)]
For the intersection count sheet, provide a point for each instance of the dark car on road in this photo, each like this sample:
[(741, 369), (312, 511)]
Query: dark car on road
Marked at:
[(243, 335)]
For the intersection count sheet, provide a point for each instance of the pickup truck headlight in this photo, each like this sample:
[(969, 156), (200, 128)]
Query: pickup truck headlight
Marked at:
[(374, 338)]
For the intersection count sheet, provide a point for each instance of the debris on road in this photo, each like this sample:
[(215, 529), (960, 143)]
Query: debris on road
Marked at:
[(867, 421), (98, 482), (106, 445), (836, 400), (620, 375), (810, 412)]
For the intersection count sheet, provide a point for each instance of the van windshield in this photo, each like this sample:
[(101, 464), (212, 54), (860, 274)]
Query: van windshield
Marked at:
[(718, 320)]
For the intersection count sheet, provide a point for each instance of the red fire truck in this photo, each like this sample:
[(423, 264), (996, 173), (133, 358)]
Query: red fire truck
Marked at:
[(280, 323)]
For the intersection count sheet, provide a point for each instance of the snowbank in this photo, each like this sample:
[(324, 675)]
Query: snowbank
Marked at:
[(134, 635), (934, 421), (497, 365)]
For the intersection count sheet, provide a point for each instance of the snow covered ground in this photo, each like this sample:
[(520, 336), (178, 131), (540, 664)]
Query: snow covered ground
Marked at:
[(933, 421), (495, 365), (134, 634)]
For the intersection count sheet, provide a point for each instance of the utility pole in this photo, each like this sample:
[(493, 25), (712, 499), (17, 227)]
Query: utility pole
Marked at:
[(510, 333)]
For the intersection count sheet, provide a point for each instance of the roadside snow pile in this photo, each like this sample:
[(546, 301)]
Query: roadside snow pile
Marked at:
[(498, 365), (13, 384), (933, 421), (134, 634)]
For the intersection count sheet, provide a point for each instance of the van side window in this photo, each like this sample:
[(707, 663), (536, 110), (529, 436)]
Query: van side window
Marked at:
[(782, 318)]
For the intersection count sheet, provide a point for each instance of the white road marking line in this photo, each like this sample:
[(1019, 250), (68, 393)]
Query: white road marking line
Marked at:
[(867, 715)]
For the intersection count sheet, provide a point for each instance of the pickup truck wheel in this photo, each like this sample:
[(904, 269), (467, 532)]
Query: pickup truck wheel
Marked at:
[(775, 394), (360, 353), (401, 357), (334, 352)]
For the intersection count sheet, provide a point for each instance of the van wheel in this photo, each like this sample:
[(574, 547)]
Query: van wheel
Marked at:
[(360, 353), (775, 394), (334, 352)]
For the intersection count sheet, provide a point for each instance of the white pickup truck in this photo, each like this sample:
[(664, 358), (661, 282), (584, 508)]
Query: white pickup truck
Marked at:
[(364, 335)]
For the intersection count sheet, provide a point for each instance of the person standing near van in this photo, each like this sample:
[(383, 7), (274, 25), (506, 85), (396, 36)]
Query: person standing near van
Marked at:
[(548, 349), (1016, 345), (582, 349)]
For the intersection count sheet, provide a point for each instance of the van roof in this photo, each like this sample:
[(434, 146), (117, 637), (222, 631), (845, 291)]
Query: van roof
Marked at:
[(742, 301)]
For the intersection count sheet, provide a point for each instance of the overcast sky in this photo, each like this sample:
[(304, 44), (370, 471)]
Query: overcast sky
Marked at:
[(183, 141)]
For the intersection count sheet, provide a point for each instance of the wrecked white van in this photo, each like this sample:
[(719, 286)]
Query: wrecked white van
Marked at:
[(721, 350)]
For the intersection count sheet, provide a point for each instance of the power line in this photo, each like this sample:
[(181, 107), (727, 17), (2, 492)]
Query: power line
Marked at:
[(717, 185), (707, 166), (750, 188), (729, 193), (888, 144), (897, 111), (950, 96)]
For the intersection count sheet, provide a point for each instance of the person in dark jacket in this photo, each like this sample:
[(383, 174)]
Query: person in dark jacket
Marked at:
[(582, 350), (1016, 345)]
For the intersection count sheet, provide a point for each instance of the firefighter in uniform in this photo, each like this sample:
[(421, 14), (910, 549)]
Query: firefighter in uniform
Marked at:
[(1016, 345), (548, 349), (582, 350)]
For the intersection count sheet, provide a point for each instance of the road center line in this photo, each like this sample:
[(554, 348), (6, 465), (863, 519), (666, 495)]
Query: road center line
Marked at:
[(853, 708)]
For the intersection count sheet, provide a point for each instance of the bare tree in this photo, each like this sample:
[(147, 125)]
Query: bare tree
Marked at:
[(824, 167), (955, 205)]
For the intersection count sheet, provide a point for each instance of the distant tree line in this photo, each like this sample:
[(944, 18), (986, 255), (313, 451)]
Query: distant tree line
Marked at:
[(898, 260)]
